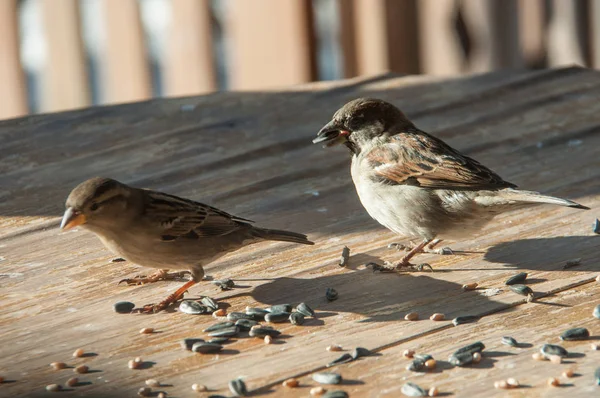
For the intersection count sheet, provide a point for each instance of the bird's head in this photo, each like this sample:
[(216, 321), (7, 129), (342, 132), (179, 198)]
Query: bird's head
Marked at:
[(98, 202), (360, 121)]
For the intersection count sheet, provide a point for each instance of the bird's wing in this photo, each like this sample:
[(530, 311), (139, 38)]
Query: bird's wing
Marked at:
[(178, 217), (417, 158)]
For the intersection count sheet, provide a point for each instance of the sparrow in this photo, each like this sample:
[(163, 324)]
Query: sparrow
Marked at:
[(163, 231), (415, 184)]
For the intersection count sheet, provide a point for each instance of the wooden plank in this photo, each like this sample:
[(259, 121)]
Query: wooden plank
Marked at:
[(65, 78), (13, 102), (440, 50), (386, 36), (189, 66), (66, 281), (272, 43), (126, 69)]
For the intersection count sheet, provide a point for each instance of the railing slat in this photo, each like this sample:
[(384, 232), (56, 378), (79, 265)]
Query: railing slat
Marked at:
[(189, 64), (13, 101), (566, 37), (65, 78), (127, 72), (272, 43), (532, 31)]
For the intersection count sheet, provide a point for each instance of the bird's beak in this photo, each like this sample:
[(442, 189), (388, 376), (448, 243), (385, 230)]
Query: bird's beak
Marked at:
[(331, 134), (72, 219)]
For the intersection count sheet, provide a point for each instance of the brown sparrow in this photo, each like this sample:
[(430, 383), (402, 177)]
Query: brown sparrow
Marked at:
[(415, 184), (161, 231)]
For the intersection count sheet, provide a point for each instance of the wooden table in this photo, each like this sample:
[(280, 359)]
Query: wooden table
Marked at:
[(251, 154)]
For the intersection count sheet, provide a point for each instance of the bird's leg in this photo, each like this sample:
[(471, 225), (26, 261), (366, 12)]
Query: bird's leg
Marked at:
[(152, 308), (405, 261), (429, 248), (160, 275)]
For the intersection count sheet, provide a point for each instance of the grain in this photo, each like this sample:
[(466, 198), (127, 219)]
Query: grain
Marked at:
[(291, 383), (554, 382), (72, 382), (81, 369), (152, 383), (268, 339), (437, 317), (53, 387), (469, 286), (317, 391), (411, 316), (219, 312), (78, 353), (146, 330), (433, 392), (199, 387), (58, 365), (408, 353), (334, 347), (568, 373)]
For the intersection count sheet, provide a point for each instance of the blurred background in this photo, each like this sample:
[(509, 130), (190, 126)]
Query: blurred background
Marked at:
[(67, 54)]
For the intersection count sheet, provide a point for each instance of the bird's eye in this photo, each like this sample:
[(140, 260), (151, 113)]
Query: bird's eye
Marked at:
[(94, 207)]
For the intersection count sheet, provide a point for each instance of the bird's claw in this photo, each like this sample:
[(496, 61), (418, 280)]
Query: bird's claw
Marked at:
[(444, 251), (155, 277)]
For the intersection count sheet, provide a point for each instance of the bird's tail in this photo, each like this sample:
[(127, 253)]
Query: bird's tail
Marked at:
[(518, 196), (282, 236)]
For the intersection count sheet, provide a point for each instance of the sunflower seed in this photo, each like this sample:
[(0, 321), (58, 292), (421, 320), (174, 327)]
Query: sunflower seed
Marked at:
[(245, 324), (193, 308), (280, 308), (597, 377), (345, 256), (188, 343), (235, 316), (296, 318), (596, 312), (258, 314), (224, 284), (507, 340), (516, 279), (461, 359), (345, 358), (218, 340), (335, 394), (123, 307), (305, 310), (206, 348), (572, 263), (523, 290), (277, 317), (575, 334), (550, 349), (210, 303), (596, 226), (327, 378), (416, 365), (263, 331), (238, 388), (471, 348), (461, 320), (360, 352), (217, 326), (412, 390), (226, 332), (331, 294), (423, 357)]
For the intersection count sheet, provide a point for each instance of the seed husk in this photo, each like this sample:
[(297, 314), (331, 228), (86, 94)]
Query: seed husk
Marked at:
[(469, 286), (219, 326), (58, 365), (296, 318), (305, 310), (413, 390), (575, 334), (206, 348), (471, 348), (317, 391), (411, 316), (596, 226), (78, 353), (53, 387), (146, 330), (245, 324), (218, 340), (152, 383), (291, 383), (596, 312), (345, 358), (280, 308), (199, 387), (433, 392), (345, 256), (408, 353), (461, 320), (144, 392), (360, 352), (572, 263), (553, 382), (523, 290), (334, 347), (263, 331), (193, 308), (336, 394), (517, 279), (224, 284), (72, 382), (81, 369), (123, 307), (235, 316), (597, 376), (552, 349), (507, 340), (327, 378), (238, 387), (277, 317), (437, 317), (187, 344), (210, 303), (461, 359), (331, 294)]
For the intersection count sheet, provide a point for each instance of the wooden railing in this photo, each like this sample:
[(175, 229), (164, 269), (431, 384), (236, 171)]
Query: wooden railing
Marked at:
[(273, 43)]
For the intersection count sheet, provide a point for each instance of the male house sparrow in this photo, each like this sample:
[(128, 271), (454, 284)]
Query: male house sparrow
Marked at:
[(415, 184), (159, 230)]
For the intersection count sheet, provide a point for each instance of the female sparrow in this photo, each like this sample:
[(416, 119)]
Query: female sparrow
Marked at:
[(159, 230), (415, 184)]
